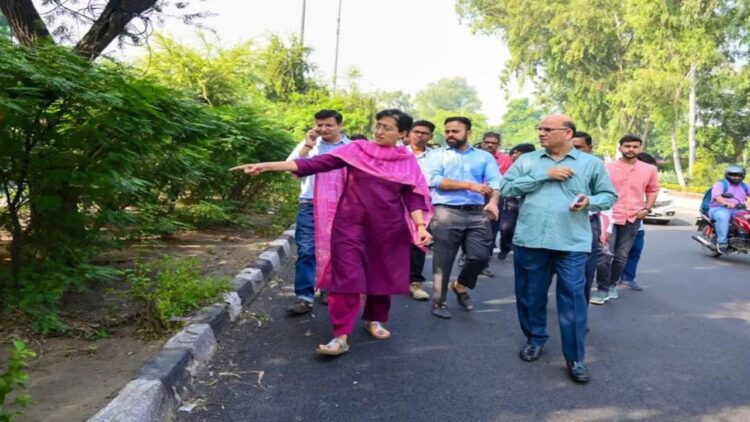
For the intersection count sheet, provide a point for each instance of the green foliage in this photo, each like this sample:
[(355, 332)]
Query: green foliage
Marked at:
[(94, 155), (450, 97), (519, 123), (4, 28), (448, 94), (622, 67), (14, 379), (170, 288), (211, 73)]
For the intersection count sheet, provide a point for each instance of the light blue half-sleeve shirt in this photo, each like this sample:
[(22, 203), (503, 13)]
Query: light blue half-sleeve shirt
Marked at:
[(307, 185), (545, 219), (470, 165)]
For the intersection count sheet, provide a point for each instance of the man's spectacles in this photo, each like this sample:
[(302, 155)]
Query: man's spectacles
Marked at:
[(550, 129), (491, 143), (578, 146), (384, 128), (735, 175)]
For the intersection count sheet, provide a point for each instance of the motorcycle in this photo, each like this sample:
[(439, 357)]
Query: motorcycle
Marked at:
[(739, 232)]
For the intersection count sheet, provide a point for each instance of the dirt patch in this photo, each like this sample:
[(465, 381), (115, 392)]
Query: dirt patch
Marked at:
[(72, 378)]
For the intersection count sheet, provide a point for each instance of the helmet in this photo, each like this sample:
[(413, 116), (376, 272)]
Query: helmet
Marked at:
[(734, 174)]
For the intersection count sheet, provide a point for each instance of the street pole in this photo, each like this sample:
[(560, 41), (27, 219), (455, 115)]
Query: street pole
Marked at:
[(336, 59), (302, 26)]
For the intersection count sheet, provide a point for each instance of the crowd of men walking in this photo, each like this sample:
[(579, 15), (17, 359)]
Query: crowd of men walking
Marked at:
[(369, 211)]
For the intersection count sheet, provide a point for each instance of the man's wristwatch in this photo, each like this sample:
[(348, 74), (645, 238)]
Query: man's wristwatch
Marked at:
[(648, 210)]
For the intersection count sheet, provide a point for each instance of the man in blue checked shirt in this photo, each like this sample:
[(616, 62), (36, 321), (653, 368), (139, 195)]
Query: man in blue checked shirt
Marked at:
[(464, 182), (558, 184)]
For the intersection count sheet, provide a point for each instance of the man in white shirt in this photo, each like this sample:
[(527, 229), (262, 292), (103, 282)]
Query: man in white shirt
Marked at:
[(323, 138), (419, 136)]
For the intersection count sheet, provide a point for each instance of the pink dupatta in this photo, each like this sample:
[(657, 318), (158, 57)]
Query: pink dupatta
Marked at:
[(395, 164)]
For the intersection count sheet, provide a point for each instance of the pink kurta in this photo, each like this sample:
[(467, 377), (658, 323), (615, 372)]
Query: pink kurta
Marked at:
[(370, 239)]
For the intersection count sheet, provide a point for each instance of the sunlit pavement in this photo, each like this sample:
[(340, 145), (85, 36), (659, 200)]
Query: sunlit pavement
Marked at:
[(678, 350)]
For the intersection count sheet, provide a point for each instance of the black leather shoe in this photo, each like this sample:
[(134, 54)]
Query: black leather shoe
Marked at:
[(502, 255), (463, 298), (531, 352), (300, 307), (578, 372), (441, 311)]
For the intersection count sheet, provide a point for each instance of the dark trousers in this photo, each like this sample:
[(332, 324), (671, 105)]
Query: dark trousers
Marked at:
[(593, 260), (533, 270), (628, 274), (610, 271), (508, 217), (417, 264), (453, 229)]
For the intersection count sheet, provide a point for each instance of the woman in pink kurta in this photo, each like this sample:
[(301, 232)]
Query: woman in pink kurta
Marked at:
[(371, 203)]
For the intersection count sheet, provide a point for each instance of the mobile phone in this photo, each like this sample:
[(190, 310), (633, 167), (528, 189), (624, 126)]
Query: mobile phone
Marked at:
[(580, 198)]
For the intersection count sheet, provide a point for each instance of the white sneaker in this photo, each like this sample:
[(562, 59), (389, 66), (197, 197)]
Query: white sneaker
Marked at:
[(599, 298), (613, 292)]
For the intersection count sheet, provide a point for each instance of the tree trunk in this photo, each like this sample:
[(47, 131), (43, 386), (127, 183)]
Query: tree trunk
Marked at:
[(110, 24), (676, 155), (25, 22), (691, 121), (646, 134)]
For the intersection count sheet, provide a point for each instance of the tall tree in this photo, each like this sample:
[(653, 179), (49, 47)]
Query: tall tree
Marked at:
[(107, 20), (519, 123), (447, 94), (620, 67), (450, 97)]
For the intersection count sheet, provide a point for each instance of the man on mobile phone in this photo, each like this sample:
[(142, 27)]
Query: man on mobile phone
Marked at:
[(321, 139)]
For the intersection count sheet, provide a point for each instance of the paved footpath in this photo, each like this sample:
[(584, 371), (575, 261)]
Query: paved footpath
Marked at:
[(677, 351)]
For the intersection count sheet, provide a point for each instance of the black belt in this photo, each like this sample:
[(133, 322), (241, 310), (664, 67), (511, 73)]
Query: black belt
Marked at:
[(463, 207)]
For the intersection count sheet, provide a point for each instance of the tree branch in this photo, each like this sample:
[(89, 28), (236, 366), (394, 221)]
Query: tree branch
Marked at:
[(25, 22), (110, 24)]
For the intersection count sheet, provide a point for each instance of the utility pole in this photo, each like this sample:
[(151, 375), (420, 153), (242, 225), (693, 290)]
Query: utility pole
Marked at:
[(302, 26), (336, 59)]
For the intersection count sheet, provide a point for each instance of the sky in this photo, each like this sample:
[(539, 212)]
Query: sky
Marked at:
[(395, 44)]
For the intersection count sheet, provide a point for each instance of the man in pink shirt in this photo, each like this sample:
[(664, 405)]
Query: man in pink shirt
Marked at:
[(491, 143), (637, 186)]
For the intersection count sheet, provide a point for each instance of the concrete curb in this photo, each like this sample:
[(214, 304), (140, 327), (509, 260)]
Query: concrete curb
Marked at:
[(154, 395)]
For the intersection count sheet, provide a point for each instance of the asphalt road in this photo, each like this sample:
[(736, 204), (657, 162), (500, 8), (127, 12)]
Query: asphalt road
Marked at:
[(676, 351)]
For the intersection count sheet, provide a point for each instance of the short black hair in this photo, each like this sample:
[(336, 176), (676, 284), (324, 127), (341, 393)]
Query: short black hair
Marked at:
[(522, 148), (403, 120), (646, 158), (585, 136), (424, 123), (465, 120), (492, 135), (631, 138), (327, 114), (357, 137)]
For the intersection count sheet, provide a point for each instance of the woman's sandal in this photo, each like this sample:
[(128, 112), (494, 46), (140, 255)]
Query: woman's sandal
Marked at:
[(335, 347), (376, 329)]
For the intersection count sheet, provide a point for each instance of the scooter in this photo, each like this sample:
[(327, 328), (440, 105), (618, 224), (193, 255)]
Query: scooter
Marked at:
[(739, 232)]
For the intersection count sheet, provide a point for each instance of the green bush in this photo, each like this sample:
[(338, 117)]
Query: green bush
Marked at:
[(170, 288), (14, 379), (94, 155)]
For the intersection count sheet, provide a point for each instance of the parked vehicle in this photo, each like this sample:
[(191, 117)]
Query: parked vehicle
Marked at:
[(663, 211), (739, 233)]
